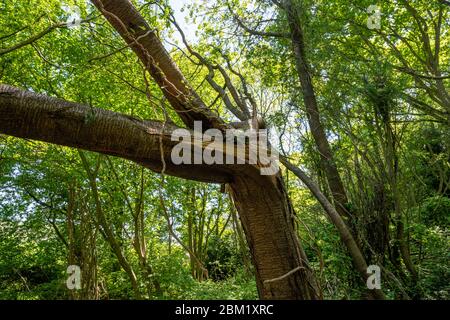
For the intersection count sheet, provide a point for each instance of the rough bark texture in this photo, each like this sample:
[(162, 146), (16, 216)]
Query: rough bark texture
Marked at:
[(247, 183), (338, 215), (267, 217), (262, 202), (28, 115)]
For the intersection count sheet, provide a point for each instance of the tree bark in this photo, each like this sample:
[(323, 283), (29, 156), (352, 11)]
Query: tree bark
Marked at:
[(267, 218), (269, 248), (106, 226), (33, 116)]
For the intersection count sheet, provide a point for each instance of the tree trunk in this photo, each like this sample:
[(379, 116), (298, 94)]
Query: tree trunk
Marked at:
[(143, 39), (282, 270), (315, 123), (108, 232), (263, 205)]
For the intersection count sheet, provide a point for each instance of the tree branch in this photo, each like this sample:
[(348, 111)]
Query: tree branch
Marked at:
[(257, 32), (36, 37), (29, 115)]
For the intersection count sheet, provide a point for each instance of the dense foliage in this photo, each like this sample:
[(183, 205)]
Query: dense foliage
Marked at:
[(384, 103)]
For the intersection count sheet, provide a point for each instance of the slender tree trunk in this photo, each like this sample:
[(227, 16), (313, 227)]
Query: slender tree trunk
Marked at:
[(107, 231), (72, 257), (315, 123), (267, 218), (140, 245), (240, 239), (393, 171)]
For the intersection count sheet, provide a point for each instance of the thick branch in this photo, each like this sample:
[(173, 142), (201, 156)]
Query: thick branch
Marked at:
[(29, 115)]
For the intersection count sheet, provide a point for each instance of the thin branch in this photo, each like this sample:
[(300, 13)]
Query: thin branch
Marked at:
[(256, 32), (284, 276), (38, 36)]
